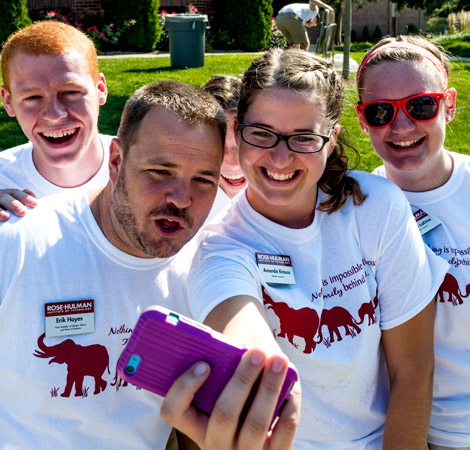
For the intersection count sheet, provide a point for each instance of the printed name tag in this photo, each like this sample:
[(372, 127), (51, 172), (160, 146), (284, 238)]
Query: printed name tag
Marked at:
[(424, 221), (69, 318), (276, 269)]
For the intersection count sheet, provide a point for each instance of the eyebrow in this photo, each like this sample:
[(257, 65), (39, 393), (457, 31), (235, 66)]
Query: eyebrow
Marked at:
[(36, 89), (170, 165), (297, 130)]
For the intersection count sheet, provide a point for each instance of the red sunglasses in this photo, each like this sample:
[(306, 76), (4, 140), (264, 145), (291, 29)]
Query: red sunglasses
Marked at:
[(420, 108)]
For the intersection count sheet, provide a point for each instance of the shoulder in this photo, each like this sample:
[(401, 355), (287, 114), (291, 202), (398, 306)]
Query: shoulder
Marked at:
[(375, 186), (41, 220), (106, 140), (12, 154), (460, 159), (380, 171)]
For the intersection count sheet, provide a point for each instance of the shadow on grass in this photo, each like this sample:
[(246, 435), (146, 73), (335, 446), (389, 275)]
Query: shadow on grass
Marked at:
[(157, 69)]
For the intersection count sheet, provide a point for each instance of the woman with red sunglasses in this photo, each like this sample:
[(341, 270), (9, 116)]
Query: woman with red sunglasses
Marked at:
[(405, 105)]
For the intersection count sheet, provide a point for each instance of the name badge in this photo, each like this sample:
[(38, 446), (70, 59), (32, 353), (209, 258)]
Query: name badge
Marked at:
[(69, 318), (424, 221), (275, 269)]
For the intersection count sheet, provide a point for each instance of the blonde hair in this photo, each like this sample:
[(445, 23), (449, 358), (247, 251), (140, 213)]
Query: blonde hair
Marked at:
[(402, 53), (49, 38)]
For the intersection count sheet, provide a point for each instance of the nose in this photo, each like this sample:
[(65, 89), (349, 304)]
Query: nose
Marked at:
[(179, 194), (281, 156), (54, 110), (402, 121)]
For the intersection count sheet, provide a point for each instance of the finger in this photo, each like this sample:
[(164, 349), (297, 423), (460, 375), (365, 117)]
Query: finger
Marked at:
[(225, 417), (176, 408), (254, 431), (283, 434), (30, 198), (7, 202), (4, 216)]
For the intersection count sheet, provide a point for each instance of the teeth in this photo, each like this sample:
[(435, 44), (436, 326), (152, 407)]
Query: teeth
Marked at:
[(280, 176), (405, 143), (233, 177), (60, 134)]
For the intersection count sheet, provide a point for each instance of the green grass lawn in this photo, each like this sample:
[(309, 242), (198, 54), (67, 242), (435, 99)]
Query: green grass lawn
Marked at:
[(125, 75)]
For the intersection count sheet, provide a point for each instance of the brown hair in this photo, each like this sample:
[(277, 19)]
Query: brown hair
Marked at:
[(402, 54), (187, 102), (225, 89), (50, 38), (305, 72)]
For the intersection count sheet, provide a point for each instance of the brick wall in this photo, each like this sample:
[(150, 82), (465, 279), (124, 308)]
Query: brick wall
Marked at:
[(379, 13)]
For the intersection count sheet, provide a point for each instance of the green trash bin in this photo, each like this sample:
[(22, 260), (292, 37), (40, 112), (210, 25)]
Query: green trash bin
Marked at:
[(187, 33)]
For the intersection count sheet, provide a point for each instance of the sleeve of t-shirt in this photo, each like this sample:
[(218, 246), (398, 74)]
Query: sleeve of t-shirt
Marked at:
[(220, 270), (408, 273)]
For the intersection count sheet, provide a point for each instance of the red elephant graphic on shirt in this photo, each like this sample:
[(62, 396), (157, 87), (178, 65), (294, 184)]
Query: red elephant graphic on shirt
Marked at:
[(335, 318), (368, 309), (294, 322), (451, 286), (91, 360)]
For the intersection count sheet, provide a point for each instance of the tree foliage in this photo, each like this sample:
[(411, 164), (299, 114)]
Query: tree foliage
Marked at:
[(13, 17), (144, 34), (246, 23), (436, 7)]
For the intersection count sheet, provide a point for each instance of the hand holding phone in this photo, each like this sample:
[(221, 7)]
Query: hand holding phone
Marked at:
[(164, 344)]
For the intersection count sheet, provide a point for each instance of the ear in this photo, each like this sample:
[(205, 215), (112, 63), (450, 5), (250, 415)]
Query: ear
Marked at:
[(236, 132), (450, 102), (362, 122), (102, 89), (334, 138), (6, 99), (115, 159)]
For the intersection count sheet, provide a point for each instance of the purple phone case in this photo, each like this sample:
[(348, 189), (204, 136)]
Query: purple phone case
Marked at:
[(165, 344)]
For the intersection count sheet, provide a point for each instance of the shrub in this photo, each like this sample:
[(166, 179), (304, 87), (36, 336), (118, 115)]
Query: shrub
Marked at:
[(457, 44), (377, 34), (361, 46), (437, 25), (253, 31), (276, 38), (365, 34), (144, 14), (413, 29), (353, 36), (91, 22), (13, 17)]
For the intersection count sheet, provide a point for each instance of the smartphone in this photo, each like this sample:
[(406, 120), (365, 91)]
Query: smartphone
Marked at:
[(164, 344)]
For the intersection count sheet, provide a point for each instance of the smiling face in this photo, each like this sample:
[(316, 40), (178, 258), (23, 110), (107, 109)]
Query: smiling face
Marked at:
[(282, 185), (412, 152), (232, 180), (164, 188), (56, 103)]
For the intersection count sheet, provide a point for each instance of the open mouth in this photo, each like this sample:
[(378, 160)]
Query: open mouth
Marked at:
[(60, 137), (404, 145), (280, 177), (168, 227), (236, 180)]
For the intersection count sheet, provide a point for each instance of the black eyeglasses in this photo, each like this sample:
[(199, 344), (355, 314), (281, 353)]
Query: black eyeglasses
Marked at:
[(298, 143), (420, 108)]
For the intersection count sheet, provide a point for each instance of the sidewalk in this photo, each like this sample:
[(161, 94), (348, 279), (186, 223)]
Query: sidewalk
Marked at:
[(338, 58)]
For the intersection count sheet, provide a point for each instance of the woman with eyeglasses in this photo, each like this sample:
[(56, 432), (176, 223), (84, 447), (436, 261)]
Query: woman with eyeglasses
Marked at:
[(322, 263), (405, 105)]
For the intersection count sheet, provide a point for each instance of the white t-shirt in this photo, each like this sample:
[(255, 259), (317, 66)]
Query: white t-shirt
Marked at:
[(17, 170), (221, 201), (450, 205), (58, 253), (342, 262), (302, 10)]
